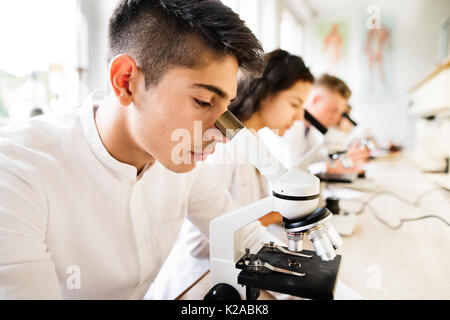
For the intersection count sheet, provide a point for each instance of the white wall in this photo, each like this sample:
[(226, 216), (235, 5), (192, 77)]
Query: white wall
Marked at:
[(417, 25), (269, 22), (98, 13)]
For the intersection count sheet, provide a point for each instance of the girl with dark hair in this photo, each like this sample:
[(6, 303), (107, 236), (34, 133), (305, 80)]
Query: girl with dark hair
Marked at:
[(274, 100)]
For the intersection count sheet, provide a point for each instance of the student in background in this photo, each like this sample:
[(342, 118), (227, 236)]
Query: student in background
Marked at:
[(327, 103)]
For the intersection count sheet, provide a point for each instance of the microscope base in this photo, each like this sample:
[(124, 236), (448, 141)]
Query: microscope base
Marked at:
[(319, 281)]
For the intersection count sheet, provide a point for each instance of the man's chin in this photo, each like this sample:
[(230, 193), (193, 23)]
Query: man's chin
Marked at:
[(184, 165), (180, 168)]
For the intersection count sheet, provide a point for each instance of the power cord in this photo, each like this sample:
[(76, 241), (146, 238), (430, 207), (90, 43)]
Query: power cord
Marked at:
[(404, 220), (415, 203)]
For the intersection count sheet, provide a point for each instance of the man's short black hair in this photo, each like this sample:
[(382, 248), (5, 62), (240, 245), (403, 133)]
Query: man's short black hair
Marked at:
[(160, 34)]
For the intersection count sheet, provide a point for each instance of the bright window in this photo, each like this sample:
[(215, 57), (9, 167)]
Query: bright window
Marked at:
[(291, 33), (41, 60), (233, 4), (247, 10)]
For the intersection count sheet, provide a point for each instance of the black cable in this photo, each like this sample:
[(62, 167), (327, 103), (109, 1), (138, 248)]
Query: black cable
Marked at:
[(412, 203), (393, 194), (405, 220)]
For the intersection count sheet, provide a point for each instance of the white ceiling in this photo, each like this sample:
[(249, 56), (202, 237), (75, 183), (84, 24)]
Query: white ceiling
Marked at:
[(325, 6)]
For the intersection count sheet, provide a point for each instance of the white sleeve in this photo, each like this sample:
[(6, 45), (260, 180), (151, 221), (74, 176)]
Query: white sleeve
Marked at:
[(26, 269), (318, 167), (319, 163), (316, 138), (254, 235), (222, 165), (208, 200), (294, 144)]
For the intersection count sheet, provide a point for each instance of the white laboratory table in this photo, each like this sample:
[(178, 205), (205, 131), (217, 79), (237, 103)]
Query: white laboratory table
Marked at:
[(377, 262)]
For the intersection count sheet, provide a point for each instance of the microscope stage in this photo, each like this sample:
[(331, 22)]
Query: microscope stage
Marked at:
[(318, 283), (337, 178)]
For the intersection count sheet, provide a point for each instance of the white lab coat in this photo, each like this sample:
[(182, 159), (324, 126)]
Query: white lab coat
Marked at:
[(298, 140), (75, 223), (240, 178), (295, 143)]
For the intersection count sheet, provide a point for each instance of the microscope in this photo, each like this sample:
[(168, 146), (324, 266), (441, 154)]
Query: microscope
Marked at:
[(335, 145), (288, 270), (363, 135)]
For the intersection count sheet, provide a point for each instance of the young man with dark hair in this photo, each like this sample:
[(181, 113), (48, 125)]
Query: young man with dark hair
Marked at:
[(91, 203), (173, 62)]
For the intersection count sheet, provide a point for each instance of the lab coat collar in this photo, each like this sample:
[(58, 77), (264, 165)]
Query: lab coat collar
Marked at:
[(123, 170)]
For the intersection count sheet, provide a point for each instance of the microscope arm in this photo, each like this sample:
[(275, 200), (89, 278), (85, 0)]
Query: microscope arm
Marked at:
[(223, 228), (225, 234)]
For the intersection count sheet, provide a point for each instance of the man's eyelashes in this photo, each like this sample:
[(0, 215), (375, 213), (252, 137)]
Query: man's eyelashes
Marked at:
[(203, 104)]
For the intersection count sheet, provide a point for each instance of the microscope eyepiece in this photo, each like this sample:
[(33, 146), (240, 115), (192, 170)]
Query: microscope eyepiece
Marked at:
[(228, 125), (313, 121), (347, 116)]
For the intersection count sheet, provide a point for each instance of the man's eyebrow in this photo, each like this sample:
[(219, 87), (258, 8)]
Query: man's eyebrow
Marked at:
[(211, 88)]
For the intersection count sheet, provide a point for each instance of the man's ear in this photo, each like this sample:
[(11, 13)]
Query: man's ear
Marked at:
[(123, 73)]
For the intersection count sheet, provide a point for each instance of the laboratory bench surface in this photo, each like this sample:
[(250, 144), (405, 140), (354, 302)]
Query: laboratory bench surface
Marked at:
[(411, 262)]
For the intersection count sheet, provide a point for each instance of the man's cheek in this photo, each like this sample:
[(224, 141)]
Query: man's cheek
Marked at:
[(180, 146)]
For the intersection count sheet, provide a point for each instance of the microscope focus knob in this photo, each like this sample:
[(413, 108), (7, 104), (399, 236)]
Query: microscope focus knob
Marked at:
[(222, 291)]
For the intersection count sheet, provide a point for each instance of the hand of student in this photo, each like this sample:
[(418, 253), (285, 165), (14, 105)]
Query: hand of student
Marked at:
[(336, 167), (358, 154), (271, 218)]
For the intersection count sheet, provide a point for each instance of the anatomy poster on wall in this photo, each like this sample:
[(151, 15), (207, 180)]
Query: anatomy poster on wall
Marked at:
[(377, 72), (333, 47)]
